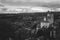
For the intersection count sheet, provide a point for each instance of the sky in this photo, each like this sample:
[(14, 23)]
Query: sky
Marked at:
[(44, 3), (39, 3)]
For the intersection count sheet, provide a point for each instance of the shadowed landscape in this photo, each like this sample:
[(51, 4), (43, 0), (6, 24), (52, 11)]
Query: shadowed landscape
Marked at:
[(23, 26)]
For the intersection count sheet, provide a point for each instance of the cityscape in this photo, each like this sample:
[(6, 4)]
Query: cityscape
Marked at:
[(29, 19)]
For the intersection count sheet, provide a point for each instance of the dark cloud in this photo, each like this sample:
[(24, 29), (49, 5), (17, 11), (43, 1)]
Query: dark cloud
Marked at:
[(44, 4)]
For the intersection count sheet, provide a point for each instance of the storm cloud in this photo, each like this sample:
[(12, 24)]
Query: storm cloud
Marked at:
[(38, 3)]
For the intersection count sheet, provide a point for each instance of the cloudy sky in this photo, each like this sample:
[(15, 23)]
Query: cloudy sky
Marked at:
[(44, 3), (39, 3)]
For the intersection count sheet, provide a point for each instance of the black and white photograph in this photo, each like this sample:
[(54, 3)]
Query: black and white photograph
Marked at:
[(29, 19)]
